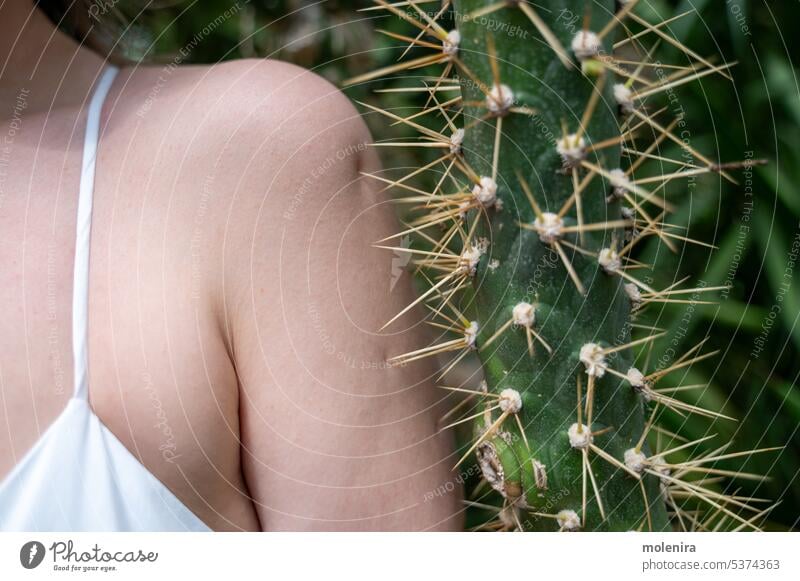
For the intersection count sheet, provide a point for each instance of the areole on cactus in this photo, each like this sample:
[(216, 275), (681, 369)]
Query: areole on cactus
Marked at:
[(541, 148)]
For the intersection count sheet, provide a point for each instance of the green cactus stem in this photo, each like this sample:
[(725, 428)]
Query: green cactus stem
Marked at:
[(539, 468), (529, 232)]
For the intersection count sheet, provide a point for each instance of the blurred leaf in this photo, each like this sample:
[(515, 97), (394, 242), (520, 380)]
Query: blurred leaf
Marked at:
[(781, 265)]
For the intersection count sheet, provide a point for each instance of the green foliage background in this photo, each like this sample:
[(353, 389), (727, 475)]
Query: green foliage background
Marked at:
[(755, 325)]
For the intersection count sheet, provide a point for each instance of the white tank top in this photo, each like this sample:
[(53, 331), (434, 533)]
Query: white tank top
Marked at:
[(79, 476)]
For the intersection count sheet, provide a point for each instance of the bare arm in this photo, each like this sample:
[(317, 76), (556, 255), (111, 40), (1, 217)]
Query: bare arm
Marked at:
[(332, 438)]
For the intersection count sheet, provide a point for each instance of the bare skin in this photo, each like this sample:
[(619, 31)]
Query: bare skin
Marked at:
[(234, 294)]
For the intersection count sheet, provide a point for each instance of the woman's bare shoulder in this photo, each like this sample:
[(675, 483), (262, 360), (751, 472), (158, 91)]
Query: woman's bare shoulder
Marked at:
[(253, 145), (248, 96), (248, 120)]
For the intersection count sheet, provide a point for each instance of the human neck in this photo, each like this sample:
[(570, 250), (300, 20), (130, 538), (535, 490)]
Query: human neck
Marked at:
[(34, 53)]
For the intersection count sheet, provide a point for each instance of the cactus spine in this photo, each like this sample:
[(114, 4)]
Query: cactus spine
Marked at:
[(536, 221)]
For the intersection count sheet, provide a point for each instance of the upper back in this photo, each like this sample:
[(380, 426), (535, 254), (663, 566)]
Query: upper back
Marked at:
[(161, 375), (234, 301)]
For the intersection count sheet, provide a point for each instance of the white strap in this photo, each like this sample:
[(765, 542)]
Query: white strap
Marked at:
[(80, 281)]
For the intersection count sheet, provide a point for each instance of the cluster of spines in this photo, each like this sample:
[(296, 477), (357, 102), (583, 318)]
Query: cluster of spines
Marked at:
[(463, 197)]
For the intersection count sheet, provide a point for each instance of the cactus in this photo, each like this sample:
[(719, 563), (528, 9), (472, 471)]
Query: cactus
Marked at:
[(530, 230)]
